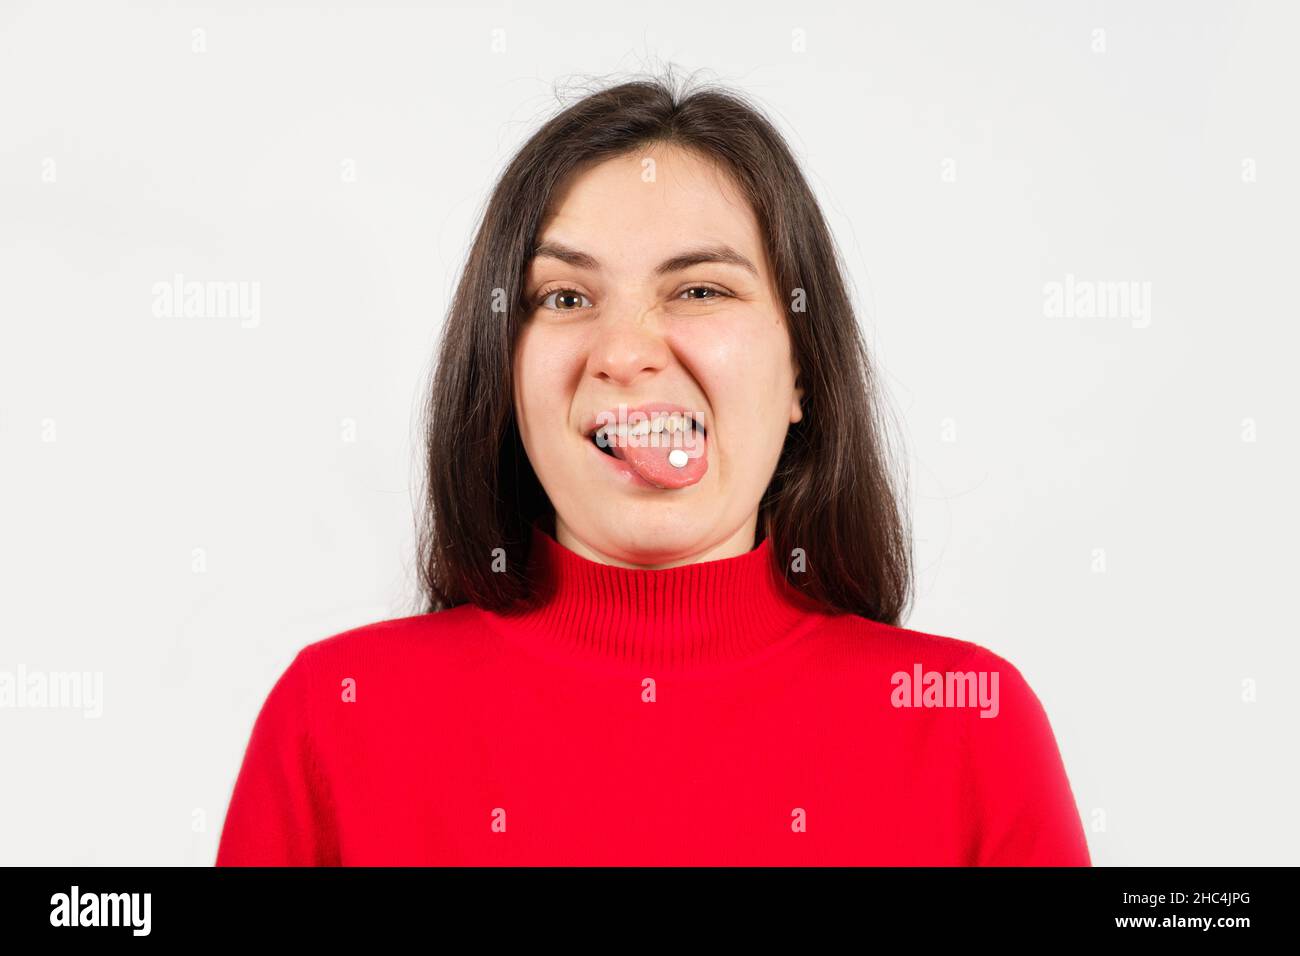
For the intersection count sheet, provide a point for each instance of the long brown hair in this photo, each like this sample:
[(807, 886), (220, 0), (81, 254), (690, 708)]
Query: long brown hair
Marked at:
[(832, 494)]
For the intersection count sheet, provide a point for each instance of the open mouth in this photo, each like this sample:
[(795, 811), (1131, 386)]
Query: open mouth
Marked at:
[(664, 446)]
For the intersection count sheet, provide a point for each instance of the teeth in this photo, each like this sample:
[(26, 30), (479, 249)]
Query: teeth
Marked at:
[(659, 423)]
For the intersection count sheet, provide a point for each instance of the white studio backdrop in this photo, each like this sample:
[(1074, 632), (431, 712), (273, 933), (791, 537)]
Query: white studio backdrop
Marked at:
[(1070, 230)]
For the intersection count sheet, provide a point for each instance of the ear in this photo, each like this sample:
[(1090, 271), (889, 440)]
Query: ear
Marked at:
[(796, 402)]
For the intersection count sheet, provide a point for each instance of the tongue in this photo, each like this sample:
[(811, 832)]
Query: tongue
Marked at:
[(652, 464)]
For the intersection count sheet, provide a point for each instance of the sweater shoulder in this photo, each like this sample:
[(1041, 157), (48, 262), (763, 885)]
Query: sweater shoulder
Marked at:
[(876, 646), (392, 635), (926, 656), (897, 644), (400, 649)]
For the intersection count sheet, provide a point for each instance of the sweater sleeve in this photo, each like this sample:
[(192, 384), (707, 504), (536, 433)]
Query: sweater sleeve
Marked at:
[(1026, 814), (278, 813)]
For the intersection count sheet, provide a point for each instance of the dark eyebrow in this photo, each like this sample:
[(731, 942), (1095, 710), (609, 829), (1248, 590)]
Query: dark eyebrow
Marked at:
[(684, 260)]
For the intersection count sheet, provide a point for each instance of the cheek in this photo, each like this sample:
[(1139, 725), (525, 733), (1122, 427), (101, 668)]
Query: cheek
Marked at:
[(743, 366), (745, 373), (547, 354), (544, 379)]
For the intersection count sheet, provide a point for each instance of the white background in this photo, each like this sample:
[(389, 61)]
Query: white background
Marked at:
[(964, 157)]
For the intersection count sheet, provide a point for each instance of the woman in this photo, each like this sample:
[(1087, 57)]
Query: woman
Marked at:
[(663, 559)]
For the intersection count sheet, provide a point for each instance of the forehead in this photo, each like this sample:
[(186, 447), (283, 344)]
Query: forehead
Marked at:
[(638, 208)]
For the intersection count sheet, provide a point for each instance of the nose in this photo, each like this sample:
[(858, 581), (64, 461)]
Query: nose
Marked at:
[(625, 347)]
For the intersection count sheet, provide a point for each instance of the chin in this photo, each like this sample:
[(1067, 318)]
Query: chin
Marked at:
[(645, 532)]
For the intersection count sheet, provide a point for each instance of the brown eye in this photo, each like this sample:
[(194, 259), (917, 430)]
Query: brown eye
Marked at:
[(712, 293), (571, 298)]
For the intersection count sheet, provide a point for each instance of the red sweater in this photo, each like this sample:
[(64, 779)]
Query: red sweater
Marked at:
[(698, 715)]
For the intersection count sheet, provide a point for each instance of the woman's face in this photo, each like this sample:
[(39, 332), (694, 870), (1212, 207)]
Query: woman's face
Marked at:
[(624, 315)]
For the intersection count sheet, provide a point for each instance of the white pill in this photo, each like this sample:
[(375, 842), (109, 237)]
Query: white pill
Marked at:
[(678, 458)]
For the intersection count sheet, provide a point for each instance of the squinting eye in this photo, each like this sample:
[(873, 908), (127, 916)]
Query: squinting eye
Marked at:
[(567, 294), (715, 293)]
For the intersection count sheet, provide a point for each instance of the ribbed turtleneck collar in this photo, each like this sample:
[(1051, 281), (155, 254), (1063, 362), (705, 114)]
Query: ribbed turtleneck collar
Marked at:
[(691, 617)]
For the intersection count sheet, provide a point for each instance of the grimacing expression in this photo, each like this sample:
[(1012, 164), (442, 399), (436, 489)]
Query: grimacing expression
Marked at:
[(652, 285)]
